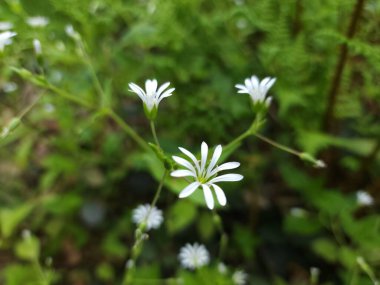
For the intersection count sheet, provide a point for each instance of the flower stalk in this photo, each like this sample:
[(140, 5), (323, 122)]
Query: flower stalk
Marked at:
[(140, 237)]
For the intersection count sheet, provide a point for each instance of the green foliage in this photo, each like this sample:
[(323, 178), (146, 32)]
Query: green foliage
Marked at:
[(76, 158)]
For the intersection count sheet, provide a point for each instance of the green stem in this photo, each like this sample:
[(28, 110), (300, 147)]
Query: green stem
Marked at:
[(223, 236), (153, 128), (87, 58), (139, 140), (69, 97), (44, 280), (279, 146), (140, 234), (30, 107)]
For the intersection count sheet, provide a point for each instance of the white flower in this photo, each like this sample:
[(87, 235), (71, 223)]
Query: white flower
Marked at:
[(151, 217), (4, 26), (222, 268), (69, 30), (6, 39), (37, 47), (364, 198), (257, 89), (152, 96), (298, 212), (205, 174), (239, 277), (9, 87), (193, 256), (37, 21)]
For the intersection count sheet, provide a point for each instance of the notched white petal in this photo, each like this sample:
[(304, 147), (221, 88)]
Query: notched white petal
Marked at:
[(189, 190), (182, 173), (227, 178), (208, 196), (220, 195)]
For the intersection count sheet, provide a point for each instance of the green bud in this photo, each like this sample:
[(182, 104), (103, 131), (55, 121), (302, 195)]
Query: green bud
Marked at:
[(309, 158)]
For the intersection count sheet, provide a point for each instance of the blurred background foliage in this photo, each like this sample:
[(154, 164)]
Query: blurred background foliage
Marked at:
[(71, 176)]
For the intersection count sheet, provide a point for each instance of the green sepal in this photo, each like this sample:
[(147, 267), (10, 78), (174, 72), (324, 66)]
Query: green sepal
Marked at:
[(150, 114)]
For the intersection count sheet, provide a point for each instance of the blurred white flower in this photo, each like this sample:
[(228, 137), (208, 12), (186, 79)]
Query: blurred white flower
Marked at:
[(193, 256), (6, 39), (4, 26), (222, 268), (37, 46), (71, 32), (9, 87), (257, 89), (205, 173), (37, 21), (26, 234), (298, 212), (151, 217), (364, 198), (239, 277), (152, 96)]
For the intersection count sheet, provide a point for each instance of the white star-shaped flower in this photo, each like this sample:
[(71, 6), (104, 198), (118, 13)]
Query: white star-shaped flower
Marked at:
[(193, 256), (6, 39), (152, 217), (152, 96), (257, 89), (205, 173)]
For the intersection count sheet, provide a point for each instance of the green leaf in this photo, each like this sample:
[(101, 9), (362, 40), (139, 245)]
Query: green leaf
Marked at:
[(28, 248), (180, 215), (326, 248), (11, 218)]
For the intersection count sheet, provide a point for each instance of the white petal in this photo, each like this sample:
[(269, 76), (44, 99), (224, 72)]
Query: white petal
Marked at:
[(162, 88), (167, 93), (215, 158), (225, 166), (204, 153), (270, 83), (264, 82), (220, 195), (182, 173), (189, 190), (244, 91), (227, 178), (208, 196), (184, 163), (255, 82), (137, 89), (150, 87), (268, 101), (240, 86), (191, 156)]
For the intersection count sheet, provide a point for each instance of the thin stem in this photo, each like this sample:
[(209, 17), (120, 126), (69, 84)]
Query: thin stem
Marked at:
[(30, 107), (69, 97), (87, 58), (140, 234), (139, 140), (329, 118), (40, 271), (279, 146), (153, 128), (223, 235)]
